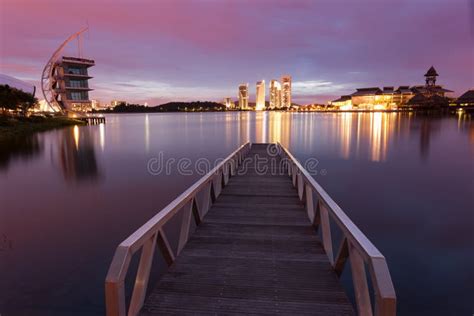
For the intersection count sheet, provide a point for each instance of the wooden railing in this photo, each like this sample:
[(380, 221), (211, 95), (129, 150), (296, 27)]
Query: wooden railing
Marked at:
[(152, 234), (355, 245)]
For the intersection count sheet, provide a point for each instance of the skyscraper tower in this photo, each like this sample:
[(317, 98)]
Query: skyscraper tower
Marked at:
[(286, 91), (260, 96), (275, 94), (244, 96)]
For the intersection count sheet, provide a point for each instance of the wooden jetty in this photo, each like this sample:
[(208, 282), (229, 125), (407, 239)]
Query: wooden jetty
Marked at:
[(92, 120), (246, 246)]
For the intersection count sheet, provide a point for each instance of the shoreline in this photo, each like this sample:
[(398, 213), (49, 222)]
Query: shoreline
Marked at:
[(437, 111), (19, 126)]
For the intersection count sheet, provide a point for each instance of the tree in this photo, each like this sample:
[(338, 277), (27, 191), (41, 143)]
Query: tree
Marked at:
[(8, 99), (15, 99), (25, 101)]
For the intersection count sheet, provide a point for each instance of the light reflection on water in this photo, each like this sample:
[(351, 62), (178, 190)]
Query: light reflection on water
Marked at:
[(68, 197)]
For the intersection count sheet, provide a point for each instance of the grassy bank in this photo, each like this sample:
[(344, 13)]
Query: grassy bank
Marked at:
[(15, 126)]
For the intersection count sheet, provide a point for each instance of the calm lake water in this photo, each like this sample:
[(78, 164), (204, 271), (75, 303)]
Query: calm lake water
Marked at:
[(69, 197)]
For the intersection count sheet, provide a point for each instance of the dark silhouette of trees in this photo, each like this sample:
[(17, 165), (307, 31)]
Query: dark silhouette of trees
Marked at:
[(15, 99)]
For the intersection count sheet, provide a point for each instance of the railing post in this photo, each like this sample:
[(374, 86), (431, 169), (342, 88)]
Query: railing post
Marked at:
[(196, 212), (143, 274), (114, 283), (326, 232), (226, 172), (294, 171), (309, 203), (206, 199), (217, 181), (185, 225), (359, 280), (300, 186), (385, 297), (233, 167), (341, 257)]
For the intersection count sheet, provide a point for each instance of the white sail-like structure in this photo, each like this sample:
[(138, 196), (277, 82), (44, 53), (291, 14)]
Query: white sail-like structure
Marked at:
[(48, 77)]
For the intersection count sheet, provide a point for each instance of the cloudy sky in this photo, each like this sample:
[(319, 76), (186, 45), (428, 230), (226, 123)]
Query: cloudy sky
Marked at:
[(158, 51)]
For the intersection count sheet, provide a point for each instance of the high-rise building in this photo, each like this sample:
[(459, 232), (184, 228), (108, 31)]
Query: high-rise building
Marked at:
[(72, 85), (275, 94), (64, 80), (229, 104), (260, 96), (244, 96), (286, 91)]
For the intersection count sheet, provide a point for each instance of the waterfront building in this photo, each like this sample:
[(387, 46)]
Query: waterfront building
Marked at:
[(286, 91), (244, 96), (430, 95), (402, 95), (344, 103), (72, 83), (229, 104), (65, 80), (388, 98), (275, 94), (260, 96)]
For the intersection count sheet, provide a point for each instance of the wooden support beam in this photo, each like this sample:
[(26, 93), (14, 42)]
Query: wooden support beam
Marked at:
[(341, 257), (359, 279), (143, 274), (326, 232), (185, 225), (165, 248)]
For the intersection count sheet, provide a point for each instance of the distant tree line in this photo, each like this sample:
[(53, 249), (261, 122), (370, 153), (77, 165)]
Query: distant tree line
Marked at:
[(15, 99), (196, 106)]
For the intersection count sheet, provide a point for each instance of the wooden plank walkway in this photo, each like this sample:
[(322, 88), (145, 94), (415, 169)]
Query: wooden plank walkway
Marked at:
[(254, 253)]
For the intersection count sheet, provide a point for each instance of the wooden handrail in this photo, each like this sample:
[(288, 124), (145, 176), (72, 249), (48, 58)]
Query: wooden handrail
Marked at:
[(151, 234), (354, 245)]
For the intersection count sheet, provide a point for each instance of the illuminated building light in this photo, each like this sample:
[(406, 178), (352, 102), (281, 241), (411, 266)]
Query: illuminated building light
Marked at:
[(286, 91), (260, 96), (244, 96), (275, 95), (228, 103)]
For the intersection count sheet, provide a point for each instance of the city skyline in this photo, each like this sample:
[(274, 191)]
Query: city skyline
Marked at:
[(330, 49)]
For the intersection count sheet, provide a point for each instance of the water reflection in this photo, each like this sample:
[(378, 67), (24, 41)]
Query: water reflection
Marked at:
[(76, 152), (147, 133), (19, 148), (362, 136)]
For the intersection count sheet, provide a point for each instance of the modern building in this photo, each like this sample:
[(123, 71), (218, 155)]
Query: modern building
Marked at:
[(343, 103), (260, 96), (275, 94), (65, 80), (72, 83), (244, 96), (114, 103), (229, 104), (388, 98), (286, 91)]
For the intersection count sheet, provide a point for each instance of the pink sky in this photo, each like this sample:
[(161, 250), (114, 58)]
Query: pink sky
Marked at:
[(158, 51)]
